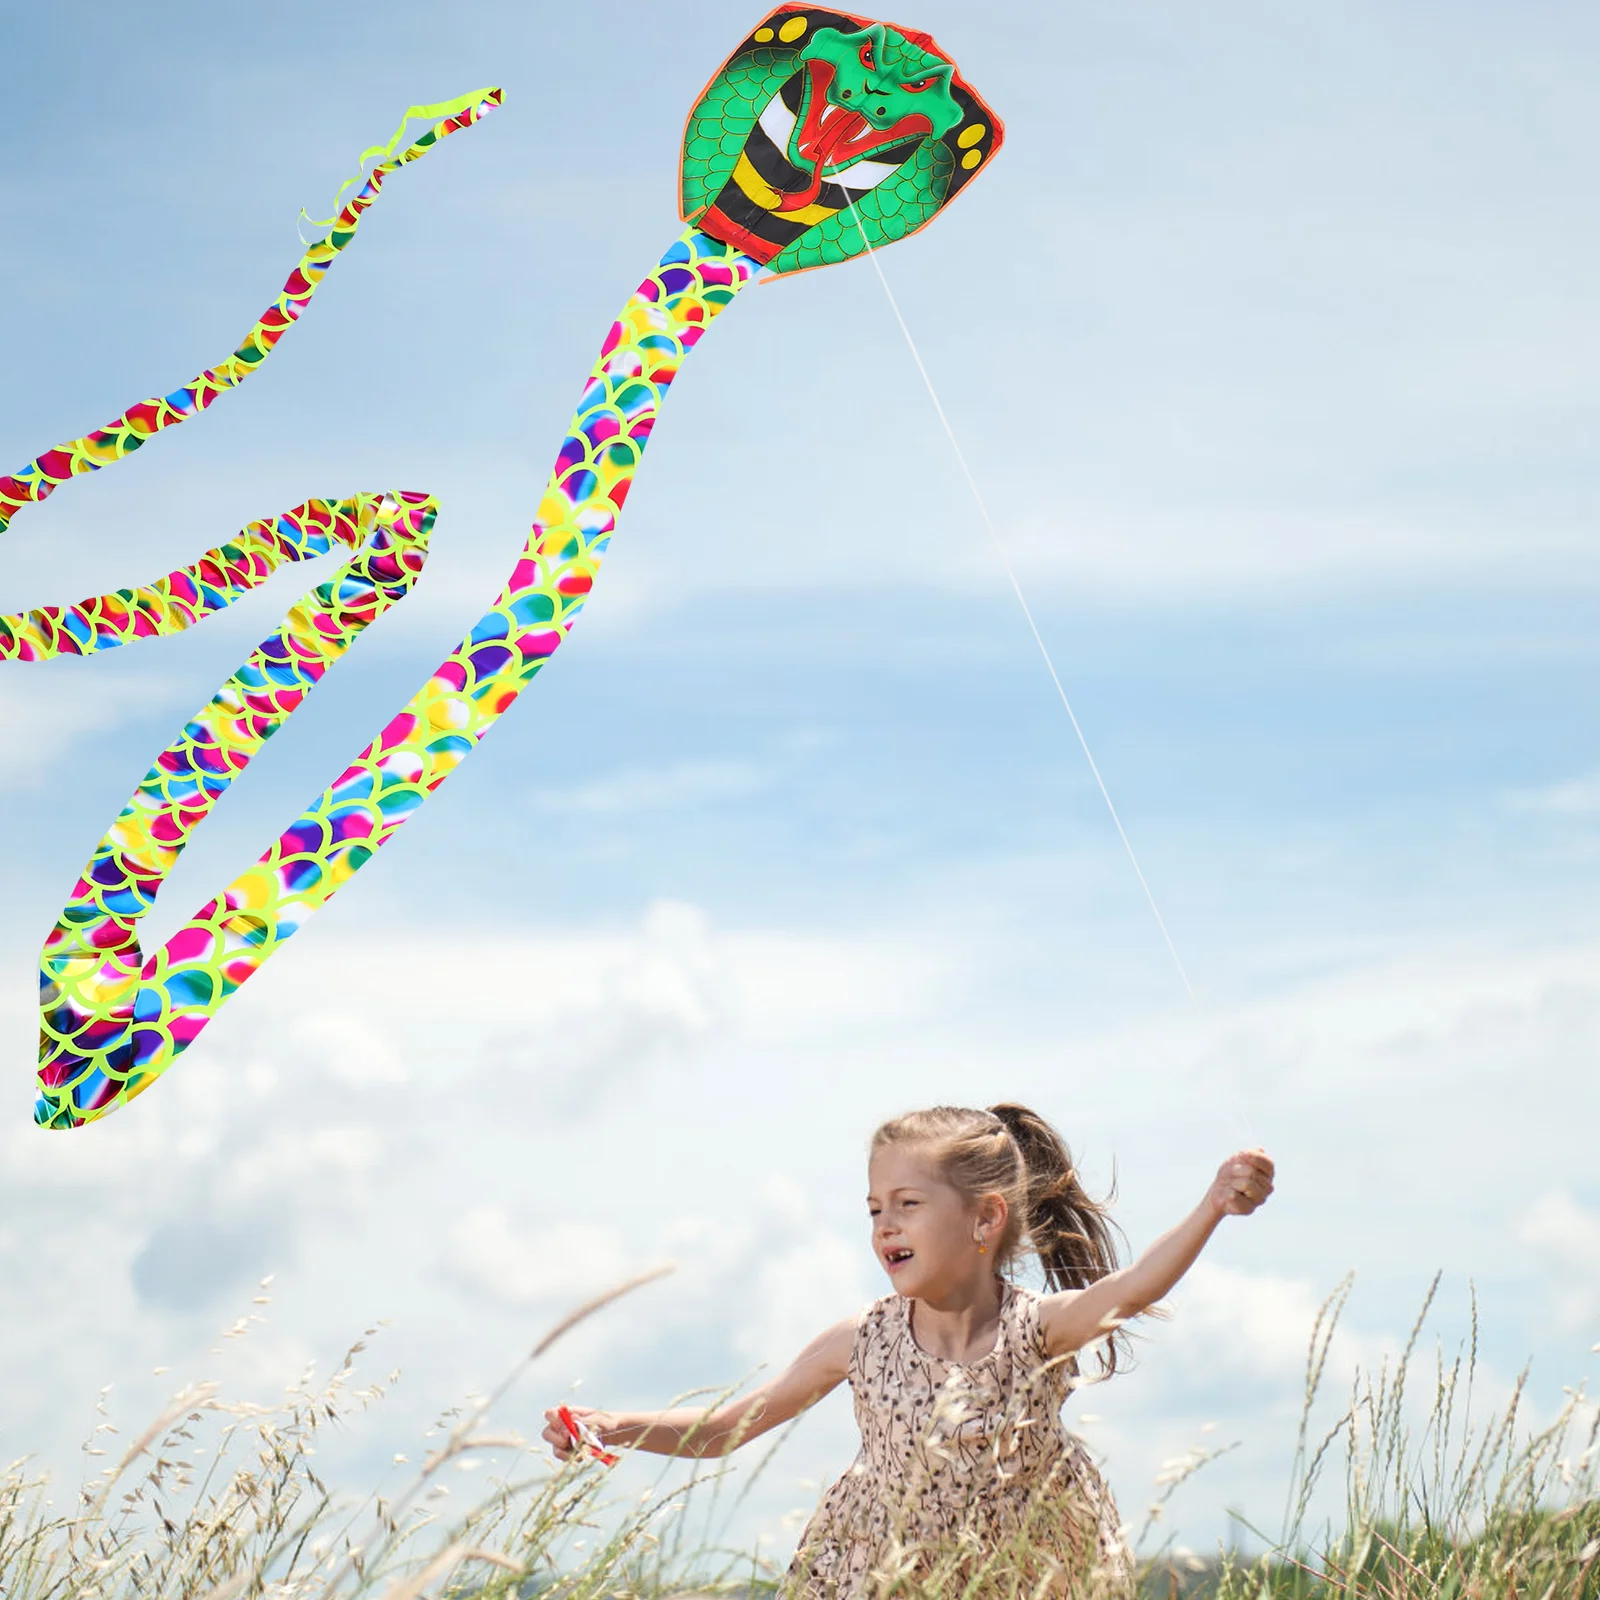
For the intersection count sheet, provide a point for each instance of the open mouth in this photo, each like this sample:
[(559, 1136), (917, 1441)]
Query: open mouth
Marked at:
[(896, 1258), (831, 136)]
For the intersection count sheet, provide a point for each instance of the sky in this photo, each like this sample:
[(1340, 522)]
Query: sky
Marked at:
[(1272, 340)]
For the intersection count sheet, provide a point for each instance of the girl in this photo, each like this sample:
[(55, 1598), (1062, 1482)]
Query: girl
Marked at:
[(966, 1479)]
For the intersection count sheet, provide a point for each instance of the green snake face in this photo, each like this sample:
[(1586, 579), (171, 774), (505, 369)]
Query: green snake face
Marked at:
[(824, 127), (865, 91)]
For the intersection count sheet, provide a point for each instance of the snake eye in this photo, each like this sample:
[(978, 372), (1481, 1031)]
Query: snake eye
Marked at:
[(866, 55), (919, 85)]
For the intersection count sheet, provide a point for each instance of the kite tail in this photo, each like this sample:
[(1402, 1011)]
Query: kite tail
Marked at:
[(45, 474), (192, 593), (112, 1022), (95, 988)]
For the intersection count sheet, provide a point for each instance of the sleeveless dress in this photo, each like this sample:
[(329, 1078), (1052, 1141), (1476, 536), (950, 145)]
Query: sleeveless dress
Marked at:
[(965, 1473)]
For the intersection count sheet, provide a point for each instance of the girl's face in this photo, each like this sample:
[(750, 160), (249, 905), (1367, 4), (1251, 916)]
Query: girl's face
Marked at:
[(925, 1232)]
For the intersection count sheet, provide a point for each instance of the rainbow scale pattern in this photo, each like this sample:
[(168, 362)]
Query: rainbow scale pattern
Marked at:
[(112, 1021), (45, 474), (189, 595)]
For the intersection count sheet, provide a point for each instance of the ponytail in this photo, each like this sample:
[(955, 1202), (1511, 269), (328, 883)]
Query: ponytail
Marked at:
[(1073, 1235)]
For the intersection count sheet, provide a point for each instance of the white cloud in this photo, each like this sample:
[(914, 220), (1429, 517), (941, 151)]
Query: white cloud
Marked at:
[(353, 1048), (1233, 1327), (559, 1019), (541, 1263), (1566, 1235), (793, 1289), (1205, 552), (766, 1270), (1237, 551), (1466, 1024), (1576, 797)]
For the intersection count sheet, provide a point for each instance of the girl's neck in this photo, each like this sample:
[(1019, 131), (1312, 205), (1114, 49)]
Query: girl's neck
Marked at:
[(961, 1327)]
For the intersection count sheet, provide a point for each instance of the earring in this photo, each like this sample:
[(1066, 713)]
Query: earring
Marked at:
[(983, 1249)]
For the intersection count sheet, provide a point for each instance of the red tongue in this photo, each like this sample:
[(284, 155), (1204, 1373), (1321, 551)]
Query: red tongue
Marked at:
[(840, 128)]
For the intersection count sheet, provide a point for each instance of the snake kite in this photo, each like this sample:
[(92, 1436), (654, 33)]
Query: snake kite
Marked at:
[(822, 135)]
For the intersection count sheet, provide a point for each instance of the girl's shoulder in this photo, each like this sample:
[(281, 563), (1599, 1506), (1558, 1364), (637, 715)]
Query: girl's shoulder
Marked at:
[(1021, 1302), (1020, 1311)]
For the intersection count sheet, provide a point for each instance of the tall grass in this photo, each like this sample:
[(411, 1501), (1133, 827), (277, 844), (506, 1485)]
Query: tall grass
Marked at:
[(1439, 1497), (221, 1500)]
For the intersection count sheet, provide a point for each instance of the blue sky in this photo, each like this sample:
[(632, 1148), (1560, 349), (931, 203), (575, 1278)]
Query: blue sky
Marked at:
[(1272, 339)]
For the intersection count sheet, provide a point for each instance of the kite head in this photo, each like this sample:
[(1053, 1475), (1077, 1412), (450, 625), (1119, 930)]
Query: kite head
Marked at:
[(823, 126)]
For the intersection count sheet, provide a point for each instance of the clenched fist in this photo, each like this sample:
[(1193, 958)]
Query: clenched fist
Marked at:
[(1242, 1184)]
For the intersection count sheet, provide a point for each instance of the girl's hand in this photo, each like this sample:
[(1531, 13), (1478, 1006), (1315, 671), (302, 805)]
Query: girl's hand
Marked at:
[(561, 1441), (1242, 1183)]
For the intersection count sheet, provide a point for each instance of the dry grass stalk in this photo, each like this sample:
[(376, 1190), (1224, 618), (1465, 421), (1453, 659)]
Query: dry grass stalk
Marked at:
[(1436, 1503)]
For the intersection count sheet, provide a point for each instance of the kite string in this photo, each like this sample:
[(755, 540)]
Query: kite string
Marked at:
[(1022, 599), (1237, 1116)]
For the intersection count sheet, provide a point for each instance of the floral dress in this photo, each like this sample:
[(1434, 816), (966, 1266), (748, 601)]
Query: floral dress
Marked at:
[(965, 1472)]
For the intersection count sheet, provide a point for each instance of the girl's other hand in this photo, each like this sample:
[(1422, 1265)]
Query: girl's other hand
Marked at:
[(561, 1441), (1242, 1184)]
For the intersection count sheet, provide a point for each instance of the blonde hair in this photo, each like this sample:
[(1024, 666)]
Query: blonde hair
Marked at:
[(1013, 1152)]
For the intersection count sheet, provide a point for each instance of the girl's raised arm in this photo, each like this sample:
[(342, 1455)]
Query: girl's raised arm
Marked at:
[(1080, 1316), (716, 1430)]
